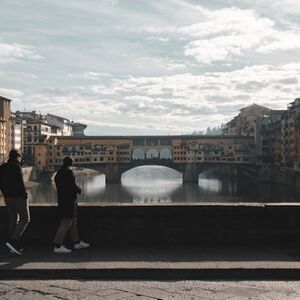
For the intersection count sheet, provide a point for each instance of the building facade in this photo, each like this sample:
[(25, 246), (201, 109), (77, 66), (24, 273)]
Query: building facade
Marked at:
[(5, 128), (39, 128), (244, 123), (17, 133), (268, 137), (127, 149), (64, 124), (290, 135), (78, 129)]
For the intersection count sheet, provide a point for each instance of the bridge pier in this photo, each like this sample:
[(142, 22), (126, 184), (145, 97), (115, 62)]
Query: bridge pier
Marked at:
[(113, 173), (190, 173)]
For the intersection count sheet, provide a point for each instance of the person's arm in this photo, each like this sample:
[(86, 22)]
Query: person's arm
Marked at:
[(21, 182), (77, 189)]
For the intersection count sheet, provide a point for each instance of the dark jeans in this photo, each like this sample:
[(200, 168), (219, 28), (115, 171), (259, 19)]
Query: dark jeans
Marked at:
[(19, 216), (66, 224)]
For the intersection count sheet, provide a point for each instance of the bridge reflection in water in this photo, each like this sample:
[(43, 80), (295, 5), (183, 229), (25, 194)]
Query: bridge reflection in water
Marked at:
[(157, 184)]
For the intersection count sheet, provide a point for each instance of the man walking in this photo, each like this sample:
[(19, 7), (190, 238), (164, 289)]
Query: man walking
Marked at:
[(67, 191), (15, 198)]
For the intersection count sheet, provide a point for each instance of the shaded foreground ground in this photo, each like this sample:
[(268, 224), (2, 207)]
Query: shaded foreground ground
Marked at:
[(154, 263), (147, 290)]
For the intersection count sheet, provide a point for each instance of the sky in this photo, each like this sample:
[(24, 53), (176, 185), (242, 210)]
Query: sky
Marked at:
[(148, 66)]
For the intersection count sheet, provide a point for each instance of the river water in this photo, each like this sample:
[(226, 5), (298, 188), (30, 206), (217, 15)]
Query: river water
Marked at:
[(155, 184)]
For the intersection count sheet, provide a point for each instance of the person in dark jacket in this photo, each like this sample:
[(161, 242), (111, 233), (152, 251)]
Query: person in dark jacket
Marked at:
[(15, 198), (67, 191)]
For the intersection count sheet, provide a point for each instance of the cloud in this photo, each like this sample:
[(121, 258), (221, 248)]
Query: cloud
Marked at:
[(11, 93), (229, 34), (151, 66), (274, 7), (159, 39), (14, 52), (90, 75), (175, 104)]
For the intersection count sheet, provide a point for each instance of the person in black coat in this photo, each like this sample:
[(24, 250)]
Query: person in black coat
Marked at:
[(15, 198), (67, 191)]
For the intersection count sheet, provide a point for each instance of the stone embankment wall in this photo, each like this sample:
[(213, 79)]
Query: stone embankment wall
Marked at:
[(252, 224), (280, 175)]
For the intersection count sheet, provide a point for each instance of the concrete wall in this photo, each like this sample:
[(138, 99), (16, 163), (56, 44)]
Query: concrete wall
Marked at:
[(189, 224)]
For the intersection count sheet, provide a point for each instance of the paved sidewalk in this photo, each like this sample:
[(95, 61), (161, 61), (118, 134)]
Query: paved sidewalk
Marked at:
[(149, 290), (154, 263)]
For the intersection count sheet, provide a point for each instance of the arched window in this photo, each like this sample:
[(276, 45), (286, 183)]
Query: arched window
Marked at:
[(138, 154), (152, 153), (165, 154)]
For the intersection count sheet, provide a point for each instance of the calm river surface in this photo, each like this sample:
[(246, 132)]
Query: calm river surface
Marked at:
[(154, 184)]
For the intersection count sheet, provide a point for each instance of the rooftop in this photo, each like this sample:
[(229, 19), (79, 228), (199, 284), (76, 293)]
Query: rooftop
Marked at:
[(5, 99), (191, 137)]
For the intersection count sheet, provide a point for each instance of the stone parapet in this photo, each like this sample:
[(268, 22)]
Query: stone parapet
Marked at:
[(124, 225)]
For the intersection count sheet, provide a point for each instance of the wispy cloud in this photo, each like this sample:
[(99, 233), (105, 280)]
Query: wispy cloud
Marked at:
[(11, 93), (175, 104), (14, 52)]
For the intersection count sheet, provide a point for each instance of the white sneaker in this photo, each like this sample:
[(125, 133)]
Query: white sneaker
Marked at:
[(81, 245), (61, 250)]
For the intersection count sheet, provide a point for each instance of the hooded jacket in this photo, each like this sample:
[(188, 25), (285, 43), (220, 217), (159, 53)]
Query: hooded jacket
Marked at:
[(11, 179), (67, 189)]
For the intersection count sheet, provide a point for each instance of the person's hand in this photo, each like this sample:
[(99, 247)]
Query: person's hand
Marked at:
[(79, 190), (25, 196)]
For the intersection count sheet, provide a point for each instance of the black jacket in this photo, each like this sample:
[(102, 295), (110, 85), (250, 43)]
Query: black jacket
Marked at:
[(67, 189), (11, 179)]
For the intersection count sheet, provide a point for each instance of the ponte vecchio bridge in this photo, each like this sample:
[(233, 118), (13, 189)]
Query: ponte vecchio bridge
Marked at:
[(114, 155)]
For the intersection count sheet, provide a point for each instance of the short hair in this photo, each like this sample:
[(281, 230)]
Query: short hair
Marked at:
[(14, 154), (67, 161)]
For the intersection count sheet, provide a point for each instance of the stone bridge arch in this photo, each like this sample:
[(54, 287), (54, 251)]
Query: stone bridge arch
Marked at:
[(148, 176), (232, 170), (190, 171), (113, 171), (168, 163)]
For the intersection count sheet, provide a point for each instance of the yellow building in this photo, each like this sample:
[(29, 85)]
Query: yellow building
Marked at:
[(88, 150), (213, 149), (41, 161), (5, 128)]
